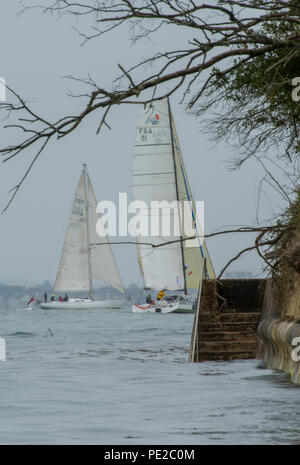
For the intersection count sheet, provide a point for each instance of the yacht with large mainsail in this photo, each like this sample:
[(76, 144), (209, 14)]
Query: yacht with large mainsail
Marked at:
[(169, 263), (81, 259)]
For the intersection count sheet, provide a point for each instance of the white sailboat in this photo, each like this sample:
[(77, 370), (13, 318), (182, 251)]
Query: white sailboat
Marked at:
[(159, 174), (81, 260)]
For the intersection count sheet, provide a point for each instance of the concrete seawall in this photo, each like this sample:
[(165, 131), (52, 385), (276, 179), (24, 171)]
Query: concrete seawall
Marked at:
[(279, 326)]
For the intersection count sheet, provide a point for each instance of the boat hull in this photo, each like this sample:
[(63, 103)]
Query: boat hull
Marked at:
[(177, 307), (184, 308), (82, 304)]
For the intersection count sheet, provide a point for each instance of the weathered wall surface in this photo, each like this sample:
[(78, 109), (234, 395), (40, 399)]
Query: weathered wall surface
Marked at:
[(279, 326)]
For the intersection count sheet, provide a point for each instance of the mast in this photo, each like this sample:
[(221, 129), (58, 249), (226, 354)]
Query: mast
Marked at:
[(176, 184), (88, 231)]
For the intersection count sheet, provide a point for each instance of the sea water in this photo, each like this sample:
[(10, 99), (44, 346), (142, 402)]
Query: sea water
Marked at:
[(116, 377)]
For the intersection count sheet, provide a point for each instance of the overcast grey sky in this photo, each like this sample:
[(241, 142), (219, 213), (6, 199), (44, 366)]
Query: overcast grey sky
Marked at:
[(36, 51)]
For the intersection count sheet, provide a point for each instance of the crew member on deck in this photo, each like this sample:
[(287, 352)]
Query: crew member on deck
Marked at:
[(160, 295), (148, 299)]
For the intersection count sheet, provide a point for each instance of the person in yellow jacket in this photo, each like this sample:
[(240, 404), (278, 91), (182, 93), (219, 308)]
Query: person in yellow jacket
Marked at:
[(160, 295)]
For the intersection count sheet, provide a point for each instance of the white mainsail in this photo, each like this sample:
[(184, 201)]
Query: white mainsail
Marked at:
[(154, 180), (73, 269), (81, 258), (159, 174)]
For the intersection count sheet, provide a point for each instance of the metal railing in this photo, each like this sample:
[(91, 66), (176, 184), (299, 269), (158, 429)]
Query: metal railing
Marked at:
[(193, 353)]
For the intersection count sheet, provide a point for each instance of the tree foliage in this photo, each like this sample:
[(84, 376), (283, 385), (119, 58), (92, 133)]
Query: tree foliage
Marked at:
[(255, 102)]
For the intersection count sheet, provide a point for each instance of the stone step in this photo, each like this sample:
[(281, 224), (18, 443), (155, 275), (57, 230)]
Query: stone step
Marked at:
[(233, 316), (206, 356), (226, 326), (224, 309), (227, 336), (227, 346)]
